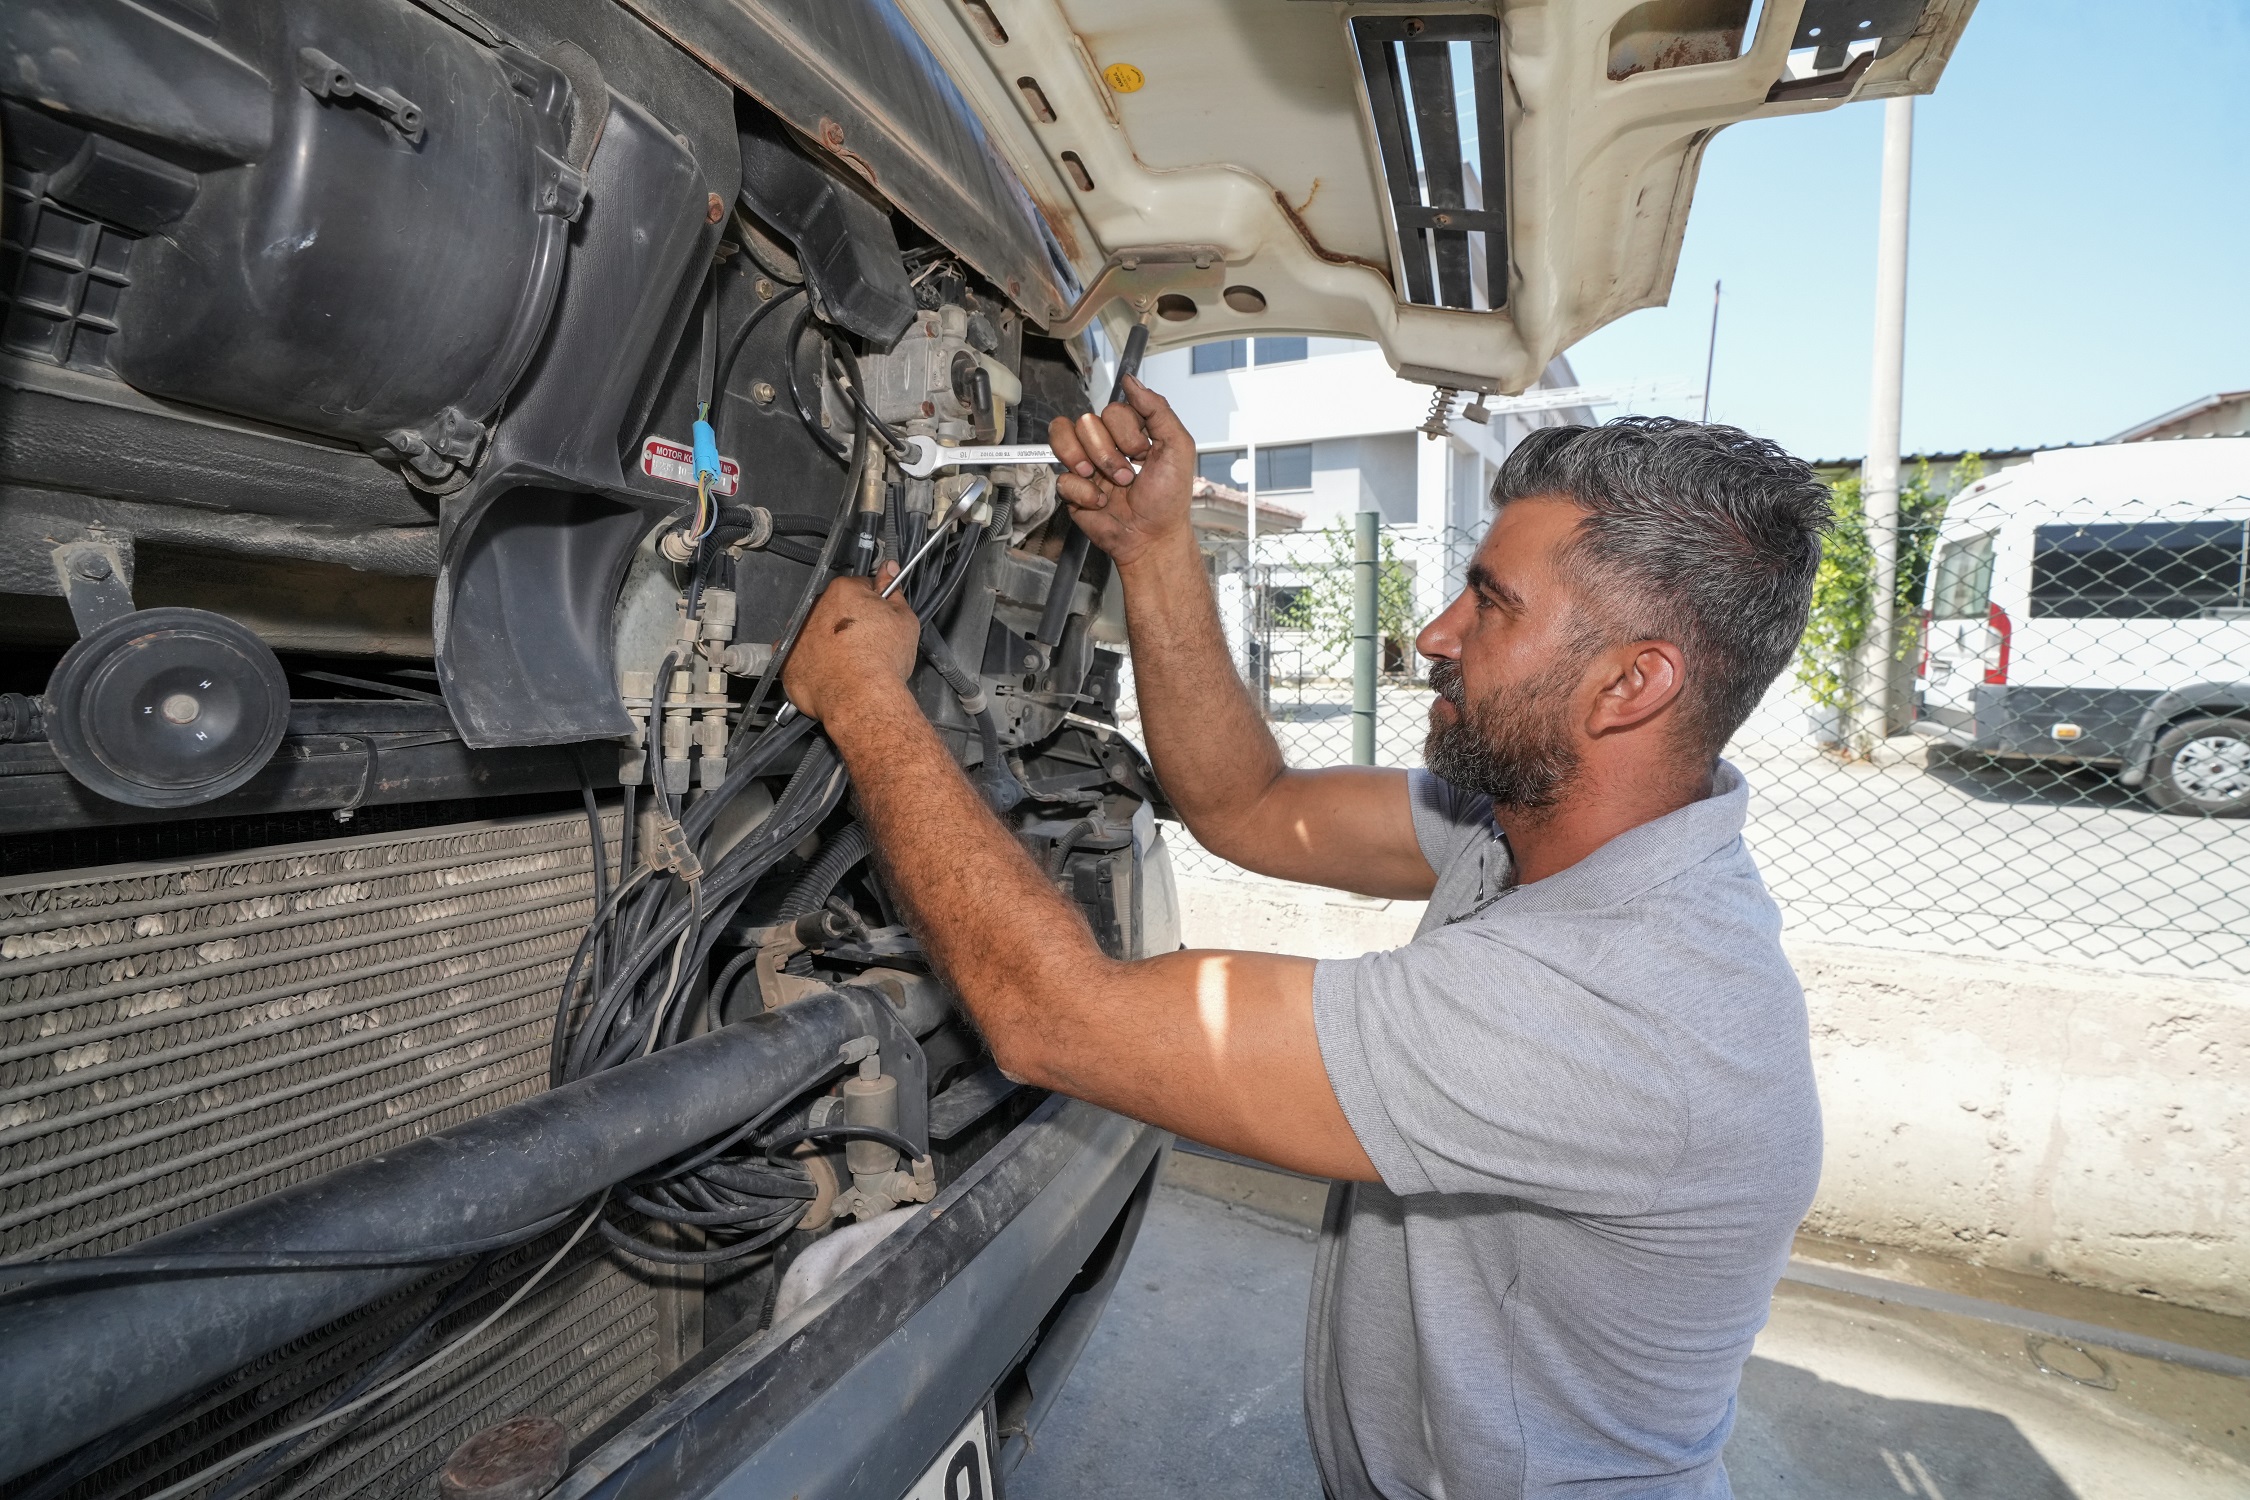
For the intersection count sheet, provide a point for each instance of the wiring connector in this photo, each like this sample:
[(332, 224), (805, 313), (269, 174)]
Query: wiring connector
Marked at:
[(667, 847)]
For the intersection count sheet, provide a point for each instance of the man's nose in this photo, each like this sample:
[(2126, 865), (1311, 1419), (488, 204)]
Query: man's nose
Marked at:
[(1440, 640)]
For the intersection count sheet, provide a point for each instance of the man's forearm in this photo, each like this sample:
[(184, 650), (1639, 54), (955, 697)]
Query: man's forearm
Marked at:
[(1211, 747), (1218, 1046), (989, 918)]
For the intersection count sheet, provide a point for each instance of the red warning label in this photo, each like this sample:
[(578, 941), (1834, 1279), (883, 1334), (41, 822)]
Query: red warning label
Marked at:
[(674, 463)]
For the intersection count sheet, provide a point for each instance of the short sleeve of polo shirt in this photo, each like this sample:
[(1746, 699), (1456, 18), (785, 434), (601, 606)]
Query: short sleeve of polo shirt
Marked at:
[(1482, 1058)]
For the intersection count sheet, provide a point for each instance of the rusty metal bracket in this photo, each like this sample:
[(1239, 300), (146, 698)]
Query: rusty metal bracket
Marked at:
[(1139, 274)]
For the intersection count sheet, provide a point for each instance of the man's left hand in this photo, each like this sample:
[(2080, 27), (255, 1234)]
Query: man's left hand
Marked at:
[(854, 642)]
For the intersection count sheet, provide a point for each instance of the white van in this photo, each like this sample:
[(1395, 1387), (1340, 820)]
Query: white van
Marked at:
[(2094, 605)]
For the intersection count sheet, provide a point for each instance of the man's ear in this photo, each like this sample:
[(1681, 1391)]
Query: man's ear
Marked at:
[(1642, 679)]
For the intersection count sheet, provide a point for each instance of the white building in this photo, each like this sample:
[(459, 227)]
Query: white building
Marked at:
[(1322, 426)]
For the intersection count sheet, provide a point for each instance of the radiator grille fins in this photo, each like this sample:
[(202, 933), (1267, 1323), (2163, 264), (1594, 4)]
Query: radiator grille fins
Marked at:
[(579, 1348), (181, 1037)]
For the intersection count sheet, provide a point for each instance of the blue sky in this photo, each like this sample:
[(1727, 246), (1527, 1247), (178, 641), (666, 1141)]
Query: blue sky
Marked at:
[(2081, 241)]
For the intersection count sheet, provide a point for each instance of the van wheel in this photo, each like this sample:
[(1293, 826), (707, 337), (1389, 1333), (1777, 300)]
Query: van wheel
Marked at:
[(2202, 766)]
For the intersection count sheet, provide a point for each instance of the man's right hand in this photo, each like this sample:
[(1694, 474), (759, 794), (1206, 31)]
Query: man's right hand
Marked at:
[(1123, 512)]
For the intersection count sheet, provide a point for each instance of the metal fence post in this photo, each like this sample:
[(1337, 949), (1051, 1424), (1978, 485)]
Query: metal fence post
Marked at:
[(1366, 550)]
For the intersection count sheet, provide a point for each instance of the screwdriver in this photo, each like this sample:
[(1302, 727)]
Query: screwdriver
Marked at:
[(954, 515)]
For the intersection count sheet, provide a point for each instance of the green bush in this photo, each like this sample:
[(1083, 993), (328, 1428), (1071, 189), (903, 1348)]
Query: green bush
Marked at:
[(1322, 608), (1843, 603)]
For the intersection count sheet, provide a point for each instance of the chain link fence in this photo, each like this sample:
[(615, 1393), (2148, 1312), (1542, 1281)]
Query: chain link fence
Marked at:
[(2058, 765)]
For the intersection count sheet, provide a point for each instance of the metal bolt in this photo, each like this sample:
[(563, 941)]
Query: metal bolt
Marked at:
[(181, 708), (93, 566), (715, 210), (763, 288), (762, 392)]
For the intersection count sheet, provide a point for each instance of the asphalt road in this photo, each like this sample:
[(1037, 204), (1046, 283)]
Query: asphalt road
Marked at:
[(1918, 847), (1978, 853)]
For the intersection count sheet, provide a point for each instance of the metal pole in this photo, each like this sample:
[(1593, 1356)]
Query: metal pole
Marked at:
[(1711, 353), (1254, 651), (1879, 474), (1366, 550)]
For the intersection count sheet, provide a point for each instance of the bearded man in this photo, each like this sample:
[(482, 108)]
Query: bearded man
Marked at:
[(1572, 1125)]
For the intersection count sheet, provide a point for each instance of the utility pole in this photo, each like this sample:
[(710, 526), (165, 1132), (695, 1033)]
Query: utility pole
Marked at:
[(1878, 475), (1711, 354)]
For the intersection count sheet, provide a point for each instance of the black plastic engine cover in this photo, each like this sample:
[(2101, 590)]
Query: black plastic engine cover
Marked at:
[(844, 240), (381, 274)]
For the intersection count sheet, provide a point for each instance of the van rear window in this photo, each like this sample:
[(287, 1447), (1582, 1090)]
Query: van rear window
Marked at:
[(2147, 570), (1963, 579)]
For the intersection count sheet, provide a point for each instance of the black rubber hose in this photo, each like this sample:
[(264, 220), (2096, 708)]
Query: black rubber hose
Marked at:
[(814, 582), (841, 1132), (992, 779), (1076, 543), (75, 1363), (667, 1257), (805, 413), (846, 849), (734, 349), (1084, 828), (1064, 588), (856, 391), (47, 1273), (940, 655)]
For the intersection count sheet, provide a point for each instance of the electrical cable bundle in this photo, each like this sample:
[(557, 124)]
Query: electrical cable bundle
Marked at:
[(632, 985)]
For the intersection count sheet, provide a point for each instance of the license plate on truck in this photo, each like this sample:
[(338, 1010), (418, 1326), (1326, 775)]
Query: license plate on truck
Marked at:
[(963, 1468)]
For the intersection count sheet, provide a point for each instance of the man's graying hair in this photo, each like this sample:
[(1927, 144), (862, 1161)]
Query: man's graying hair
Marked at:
[(1694, 533)]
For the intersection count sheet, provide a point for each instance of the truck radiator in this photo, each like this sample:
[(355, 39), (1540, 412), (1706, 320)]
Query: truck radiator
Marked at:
[(180, 1037)]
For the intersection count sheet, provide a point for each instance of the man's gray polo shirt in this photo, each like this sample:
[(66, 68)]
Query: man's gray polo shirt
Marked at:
[(1591, 1102)]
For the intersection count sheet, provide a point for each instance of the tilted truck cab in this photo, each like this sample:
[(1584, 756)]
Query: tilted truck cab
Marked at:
[(443, 995)]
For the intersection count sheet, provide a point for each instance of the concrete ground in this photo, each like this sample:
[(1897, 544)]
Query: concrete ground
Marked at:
[(1191, 1383)]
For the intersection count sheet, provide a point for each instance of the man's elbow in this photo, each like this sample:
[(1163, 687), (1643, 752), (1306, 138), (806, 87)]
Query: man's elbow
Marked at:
[(1040, 1030), (1019, 1058)]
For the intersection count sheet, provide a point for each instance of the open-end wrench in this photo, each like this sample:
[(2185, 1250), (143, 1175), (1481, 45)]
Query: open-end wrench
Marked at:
[(930, 456)]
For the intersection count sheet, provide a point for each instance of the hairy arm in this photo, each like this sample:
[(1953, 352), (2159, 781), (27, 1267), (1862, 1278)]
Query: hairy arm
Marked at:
[(1219, 1047), (1346, 827)]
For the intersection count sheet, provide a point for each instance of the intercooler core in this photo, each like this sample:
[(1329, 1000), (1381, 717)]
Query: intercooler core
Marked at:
[(180, 1037)]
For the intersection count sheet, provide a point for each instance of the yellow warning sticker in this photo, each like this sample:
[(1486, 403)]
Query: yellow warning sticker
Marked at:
[(1124, 77)]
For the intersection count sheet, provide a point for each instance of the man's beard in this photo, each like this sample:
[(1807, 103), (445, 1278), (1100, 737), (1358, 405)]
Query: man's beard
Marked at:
[(1514, 744)]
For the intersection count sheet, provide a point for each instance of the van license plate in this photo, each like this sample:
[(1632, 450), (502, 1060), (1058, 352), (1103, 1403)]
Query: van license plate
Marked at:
[(963, 1470)]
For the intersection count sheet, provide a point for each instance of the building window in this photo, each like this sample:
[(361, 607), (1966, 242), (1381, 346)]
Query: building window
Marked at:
[(1217, 465), (1285, 468), (1227, 354), (1280, 351)]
